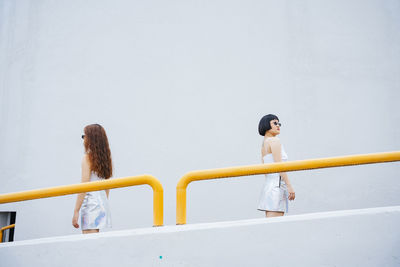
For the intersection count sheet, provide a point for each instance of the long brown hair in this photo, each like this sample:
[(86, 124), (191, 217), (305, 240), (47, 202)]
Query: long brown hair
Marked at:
[(98, 150)]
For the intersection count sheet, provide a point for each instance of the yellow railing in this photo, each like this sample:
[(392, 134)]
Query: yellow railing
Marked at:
[(3, 229), (158, 193), (272, 168)]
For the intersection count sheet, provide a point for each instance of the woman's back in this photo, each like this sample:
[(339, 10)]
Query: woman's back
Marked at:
[(267, 153)]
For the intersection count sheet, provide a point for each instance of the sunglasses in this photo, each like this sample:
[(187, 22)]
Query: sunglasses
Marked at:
[(83, 136), (277, 123)]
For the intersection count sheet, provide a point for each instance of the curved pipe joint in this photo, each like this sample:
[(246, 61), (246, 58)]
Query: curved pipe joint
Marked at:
[(273, 168)]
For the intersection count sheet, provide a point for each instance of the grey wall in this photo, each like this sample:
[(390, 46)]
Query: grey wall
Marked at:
[(181, 85)]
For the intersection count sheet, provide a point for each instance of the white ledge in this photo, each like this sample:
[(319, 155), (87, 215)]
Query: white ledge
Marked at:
[(205, 226)]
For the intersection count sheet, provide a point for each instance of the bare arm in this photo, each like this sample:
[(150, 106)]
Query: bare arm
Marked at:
[(262, 156), (276, 149), (81, 196)]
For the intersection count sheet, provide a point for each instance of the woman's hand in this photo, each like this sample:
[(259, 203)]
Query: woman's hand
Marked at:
[(75, 219), (292, 195)]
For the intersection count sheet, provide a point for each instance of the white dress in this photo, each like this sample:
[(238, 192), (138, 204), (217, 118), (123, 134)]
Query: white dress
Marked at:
[(274, 195), (95, 211)]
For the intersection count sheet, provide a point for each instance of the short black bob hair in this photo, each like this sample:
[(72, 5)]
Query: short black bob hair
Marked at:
[(265, 125)]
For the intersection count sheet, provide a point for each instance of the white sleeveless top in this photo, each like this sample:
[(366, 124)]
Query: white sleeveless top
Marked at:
[(94, 177), (268, 158)]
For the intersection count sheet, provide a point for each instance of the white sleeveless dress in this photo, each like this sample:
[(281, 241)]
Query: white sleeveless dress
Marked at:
[(95, 211), (274, 195)]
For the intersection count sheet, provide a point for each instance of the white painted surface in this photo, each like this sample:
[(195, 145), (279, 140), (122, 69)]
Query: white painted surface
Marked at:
[(181, 85), (366, 237)]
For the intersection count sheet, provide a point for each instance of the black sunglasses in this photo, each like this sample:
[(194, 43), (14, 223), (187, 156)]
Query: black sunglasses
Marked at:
[(83, 136), (277, 123)]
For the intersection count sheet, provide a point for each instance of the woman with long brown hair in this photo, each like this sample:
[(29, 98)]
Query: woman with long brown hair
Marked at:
[(96, 165)]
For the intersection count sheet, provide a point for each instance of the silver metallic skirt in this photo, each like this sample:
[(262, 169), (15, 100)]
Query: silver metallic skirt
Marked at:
[(274, 195), (95, 211)]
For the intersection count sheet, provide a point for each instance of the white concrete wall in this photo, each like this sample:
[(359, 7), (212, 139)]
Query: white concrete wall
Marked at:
[(367, 237), (181, 85)]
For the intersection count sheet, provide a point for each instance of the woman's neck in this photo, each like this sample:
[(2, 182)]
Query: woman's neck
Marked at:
[(269, 135)]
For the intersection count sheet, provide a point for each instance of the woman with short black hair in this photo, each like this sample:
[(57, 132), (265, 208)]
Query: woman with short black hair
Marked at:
[(277, 189)]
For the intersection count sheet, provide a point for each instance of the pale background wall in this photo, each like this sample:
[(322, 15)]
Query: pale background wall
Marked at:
[(181, 85)]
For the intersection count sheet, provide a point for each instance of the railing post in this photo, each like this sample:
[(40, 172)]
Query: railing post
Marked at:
[(181, 206), (158, 202)]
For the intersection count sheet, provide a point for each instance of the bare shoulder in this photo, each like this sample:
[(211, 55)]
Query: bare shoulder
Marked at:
[(85, 160), (274, 144), (85, 169)]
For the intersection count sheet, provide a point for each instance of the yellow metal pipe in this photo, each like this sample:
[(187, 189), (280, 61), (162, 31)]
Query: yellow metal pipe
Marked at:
[(3, 229), (158, 195), (273, 168)]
